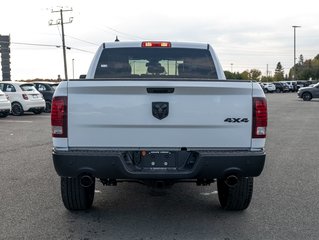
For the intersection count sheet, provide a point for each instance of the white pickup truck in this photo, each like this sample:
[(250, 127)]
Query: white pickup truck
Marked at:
[(158, 113)]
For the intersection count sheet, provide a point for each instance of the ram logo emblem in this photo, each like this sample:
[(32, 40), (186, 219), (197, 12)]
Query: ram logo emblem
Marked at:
[(160, 109)]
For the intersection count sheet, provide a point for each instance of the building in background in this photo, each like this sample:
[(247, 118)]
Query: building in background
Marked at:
[(5, 57)]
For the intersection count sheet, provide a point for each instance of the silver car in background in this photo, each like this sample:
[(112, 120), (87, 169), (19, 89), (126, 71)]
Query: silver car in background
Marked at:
[(308, 93)]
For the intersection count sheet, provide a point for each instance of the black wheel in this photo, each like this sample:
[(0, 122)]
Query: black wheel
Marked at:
[(74, 196), (266, 90), (17, 109), (306, 96), (47, 106), (278, 90), (236, 197)]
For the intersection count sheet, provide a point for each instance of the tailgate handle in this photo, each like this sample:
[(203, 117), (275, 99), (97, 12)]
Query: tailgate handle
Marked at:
[(160, 90)]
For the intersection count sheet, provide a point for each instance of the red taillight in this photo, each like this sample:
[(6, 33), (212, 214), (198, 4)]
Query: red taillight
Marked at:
[(259, 117), (156, 44), (59, 117), (25, 96)]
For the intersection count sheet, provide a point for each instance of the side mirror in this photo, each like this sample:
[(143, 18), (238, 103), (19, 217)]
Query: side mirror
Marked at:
[(82, 76)]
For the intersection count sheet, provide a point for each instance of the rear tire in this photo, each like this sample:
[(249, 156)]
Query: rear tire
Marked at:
[(236, 197), (17, 109), (74, 196)]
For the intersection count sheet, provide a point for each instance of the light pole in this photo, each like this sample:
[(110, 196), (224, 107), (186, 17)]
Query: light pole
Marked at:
[(294, 71)]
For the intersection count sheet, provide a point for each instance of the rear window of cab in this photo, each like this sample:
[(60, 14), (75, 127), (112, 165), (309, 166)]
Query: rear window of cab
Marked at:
[(156, 63)]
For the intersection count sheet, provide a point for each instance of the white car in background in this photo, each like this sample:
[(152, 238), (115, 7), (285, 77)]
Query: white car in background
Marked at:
[(5, 105), (269, 87), (23, 97)]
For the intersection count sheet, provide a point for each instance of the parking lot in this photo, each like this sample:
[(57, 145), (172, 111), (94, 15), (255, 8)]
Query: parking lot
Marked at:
[(284, 206)]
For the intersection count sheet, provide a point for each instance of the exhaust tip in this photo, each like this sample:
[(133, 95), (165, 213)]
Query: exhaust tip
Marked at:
[(231, 180), (86, 181)]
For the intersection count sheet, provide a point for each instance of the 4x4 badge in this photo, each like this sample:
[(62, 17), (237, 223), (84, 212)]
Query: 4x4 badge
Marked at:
[(160, 109), (236, 120)]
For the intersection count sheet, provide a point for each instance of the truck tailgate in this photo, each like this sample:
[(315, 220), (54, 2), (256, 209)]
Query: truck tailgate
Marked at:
[(119, 114)]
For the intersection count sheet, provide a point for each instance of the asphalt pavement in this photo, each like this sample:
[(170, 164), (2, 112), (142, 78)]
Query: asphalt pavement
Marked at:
[(284, 206)]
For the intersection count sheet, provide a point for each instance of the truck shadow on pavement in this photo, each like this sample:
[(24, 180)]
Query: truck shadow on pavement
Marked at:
[(129, 211)]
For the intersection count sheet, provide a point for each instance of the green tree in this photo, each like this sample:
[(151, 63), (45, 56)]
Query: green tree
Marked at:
[(245, 75), (266, 79), (229, 75), (315, 67), (232, 75), (279, 72), (306, 69), (301, 60), (254, 74)]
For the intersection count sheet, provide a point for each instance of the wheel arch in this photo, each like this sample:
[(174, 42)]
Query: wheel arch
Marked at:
[(18, 103)]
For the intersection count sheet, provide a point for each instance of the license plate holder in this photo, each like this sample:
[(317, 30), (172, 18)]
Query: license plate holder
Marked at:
[(159, 159)]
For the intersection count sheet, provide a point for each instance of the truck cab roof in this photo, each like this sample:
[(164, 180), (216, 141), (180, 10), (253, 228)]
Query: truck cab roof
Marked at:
[(136, 44)]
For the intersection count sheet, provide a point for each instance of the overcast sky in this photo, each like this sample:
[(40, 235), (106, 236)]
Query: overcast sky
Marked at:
[(245, 34)]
